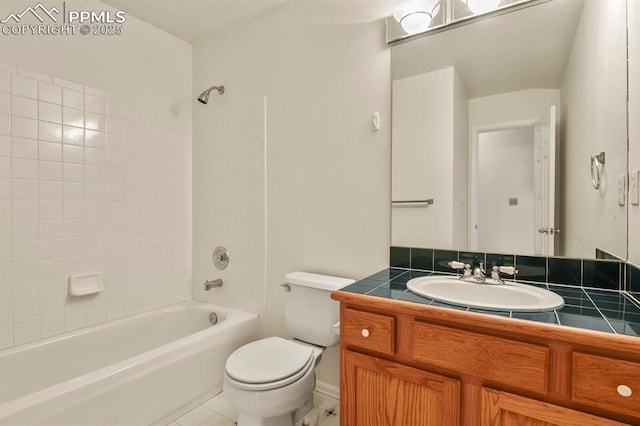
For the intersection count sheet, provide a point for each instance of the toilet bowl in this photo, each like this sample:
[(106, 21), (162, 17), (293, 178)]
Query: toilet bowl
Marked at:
[(270, 382)]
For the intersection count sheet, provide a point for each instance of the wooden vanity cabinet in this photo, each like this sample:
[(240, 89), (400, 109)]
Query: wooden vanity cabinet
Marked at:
[(405, 364)]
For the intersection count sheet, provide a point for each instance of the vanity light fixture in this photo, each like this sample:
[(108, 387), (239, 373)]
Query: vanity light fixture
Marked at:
[(482, 6), (415, 15), (415, 18)]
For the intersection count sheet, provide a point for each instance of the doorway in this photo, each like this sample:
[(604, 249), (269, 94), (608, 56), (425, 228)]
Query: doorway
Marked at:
[(512, 187), (506, 196)]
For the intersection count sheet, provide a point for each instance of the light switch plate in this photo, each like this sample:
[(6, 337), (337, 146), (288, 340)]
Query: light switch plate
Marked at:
[(622, 180), (634, 193)]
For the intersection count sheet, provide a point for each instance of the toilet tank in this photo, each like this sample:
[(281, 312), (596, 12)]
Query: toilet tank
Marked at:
[(310, 312)]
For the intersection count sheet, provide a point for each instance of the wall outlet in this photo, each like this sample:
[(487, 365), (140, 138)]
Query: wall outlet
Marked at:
[(622, 181), (634, 193)]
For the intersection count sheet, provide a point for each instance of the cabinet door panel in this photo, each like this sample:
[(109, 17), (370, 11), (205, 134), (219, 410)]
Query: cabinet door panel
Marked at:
[(505, 409), (377, 392)]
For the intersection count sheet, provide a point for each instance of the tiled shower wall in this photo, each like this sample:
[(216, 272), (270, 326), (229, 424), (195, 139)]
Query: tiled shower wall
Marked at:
[(90, 181), (229, 201)]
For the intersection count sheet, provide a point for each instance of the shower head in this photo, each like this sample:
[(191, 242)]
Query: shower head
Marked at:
[(204, 96)]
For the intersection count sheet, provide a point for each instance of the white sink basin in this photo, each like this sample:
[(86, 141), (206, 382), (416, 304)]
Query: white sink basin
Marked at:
[(500, 297)]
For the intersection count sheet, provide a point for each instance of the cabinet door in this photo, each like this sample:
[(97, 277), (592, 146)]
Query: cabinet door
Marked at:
[(376, 392), (505, 409)]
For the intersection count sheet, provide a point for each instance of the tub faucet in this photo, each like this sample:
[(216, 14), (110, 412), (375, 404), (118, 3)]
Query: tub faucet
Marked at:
[(208, 285)]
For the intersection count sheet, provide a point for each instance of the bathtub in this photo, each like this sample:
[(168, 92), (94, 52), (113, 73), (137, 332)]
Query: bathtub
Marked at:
[(140, 370)]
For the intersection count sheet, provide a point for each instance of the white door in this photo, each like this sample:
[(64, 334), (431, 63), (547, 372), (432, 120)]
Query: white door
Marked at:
[(544, 181)]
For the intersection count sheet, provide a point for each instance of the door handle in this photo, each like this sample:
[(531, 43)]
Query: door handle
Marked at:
[(549, 231)]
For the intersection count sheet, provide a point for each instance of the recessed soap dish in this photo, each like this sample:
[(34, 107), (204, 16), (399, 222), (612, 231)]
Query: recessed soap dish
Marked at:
[(82, 285)]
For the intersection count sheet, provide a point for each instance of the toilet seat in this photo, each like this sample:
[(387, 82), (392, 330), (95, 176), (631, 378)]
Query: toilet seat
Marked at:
[(269, 364)]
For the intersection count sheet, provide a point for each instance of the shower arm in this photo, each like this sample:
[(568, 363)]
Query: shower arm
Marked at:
[(220, 89)]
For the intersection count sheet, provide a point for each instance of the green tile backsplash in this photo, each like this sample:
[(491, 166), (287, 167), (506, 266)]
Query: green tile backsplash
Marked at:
[(606, 274)]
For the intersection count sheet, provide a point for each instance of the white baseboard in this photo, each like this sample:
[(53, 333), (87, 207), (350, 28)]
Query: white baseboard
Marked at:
[(328, 390)]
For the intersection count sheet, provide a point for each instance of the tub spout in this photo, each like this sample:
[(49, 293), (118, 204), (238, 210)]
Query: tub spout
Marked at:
[(208, 285)]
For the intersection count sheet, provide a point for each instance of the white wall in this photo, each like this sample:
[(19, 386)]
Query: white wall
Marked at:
[(95, 175), (460, 163), (633, 15), (594, 121), (324, 69), (506, 171), (429, 159), (511, 106), (143, 63)]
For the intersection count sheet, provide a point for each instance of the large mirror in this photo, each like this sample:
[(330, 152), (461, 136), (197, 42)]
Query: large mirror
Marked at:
[(498, 127)]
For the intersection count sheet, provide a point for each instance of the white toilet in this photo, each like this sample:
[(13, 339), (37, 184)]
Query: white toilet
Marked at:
[(270, 382)]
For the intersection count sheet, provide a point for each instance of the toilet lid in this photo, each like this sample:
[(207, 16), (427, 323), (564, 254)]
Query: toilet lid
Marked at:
[(267, 360)]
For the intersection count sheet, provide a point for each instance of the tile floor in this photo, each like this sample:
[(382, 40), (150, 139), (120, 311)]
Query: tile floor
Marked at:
[(218, 412)]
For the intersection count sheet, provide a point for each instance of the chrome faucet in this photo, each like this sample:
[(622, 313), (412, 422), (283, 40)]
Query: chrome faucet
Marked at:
[(208, 285), (479, 273)]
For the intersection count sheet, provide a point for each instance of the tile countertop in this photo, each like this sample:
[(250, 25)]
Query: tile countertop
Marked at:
[(591, 309)]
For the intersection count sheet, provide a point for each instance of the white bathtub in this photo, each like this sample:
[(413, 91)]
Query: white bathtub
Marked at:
[(140, 370)]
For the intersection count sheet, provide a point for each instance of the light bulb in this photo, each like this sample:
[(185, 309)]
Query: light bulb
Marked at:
[(415, 22), (415, 15), (482, 6)]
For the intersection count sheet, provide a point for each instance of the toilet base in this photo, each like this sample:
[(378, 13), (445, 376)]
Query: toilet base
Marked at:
[(306, 415), (310, 419), (250, 420)]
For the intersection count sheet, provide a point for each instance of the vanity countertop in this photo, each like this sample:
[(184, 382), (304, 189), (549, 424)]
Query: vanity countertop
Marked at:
[(585, 308)]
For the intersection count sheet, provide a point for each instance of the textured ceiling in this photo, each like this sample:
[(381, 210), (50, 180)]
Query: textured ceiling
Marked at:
[(193, 20)]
